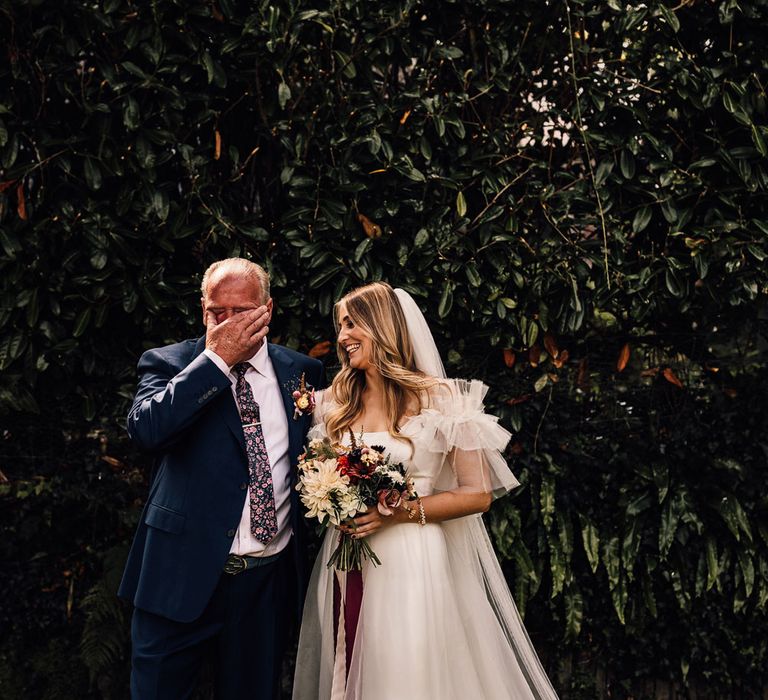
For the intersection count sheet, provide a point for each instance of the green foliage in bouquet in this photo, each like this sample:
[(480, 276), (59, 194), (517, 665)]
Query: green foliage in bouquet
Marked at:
[(574, 191)]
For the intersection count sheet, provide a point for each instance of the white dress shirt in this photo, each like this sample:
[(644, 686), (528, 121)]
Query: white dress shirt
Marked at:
[(274, 424)]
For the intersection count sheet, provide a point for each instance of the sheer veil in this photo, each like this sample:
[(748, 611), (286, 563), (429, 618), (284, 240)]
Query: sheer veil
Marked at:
[(425, 351), (474, 563)]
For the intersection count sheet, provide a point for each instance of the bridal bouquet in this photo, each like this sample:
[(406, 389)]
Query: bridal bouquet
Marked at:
[(337, 483)]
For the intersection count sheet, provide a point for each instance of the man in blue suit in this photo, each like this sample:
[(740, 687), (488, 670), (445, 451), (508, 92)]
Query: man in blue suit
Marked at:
[(218, 560)]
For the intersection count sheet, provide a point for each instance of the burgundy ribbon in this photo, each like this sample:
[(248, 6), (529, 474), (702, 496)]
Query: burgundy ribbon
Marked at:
[(352, 602)]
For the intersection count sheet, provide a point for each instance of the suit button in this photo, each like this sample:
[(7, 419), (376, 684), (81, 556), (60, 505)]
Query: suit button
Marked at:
[(243, 486), (230, 533), (214, 390)]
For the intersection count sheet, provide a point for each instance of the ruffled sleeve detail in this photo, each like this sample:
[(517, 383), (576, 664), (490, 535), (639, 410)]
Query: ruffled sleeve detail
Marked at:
[(322, 405), (455, 424), (457, 419)]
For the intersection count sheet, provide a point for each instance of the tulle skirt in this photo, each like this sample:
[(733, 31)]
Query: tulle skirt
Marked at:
[(435, 621)]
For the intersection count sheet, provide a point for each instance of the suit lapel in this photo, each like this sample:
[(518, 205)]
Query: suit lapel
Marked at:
[(199, 347), (229, 413), (288, 379)]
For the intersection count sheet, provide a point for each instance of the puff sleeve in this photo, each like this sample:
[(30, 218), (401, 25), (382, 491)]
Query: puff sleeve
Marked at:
[(455, 424), (322, 404)]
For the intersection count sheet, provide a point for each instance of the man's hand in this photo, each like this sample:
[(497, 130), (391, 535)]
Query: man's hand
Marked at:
[(239, 337)]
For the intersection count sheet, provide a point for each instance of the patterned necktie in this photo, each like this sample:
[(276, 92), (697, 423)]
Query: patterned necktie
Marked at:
[(263, 516)]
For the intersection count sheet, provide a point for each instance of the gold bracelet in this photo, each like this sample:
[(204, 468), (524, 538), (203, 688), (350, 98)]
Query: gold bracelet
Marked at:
[(411, 511), (422, 514)]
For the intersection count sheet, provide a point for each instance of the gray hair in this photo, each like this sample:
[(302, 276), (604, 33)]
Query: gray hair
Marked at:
[(239, 267)]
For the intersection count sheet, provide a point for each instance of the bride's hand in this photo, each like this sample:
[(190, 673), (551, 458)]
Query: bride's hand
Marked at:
[(371, 521)]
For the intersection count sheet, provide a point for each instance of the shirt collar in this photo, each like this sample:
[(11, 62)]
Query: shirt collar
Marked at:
[(260, 361)]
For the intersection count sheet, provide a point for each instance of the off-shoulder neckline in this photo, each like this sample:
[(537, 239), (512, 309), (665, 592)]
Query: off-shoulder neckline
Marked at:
[(411, 418)]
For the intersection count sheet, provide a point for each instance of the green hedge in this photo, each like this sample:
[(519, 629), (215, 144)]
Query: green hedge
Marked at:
[(575, 192)]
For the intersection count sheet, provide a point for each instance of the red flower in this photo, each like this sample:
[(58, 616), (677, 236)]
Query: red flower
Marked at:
[(347, 468)]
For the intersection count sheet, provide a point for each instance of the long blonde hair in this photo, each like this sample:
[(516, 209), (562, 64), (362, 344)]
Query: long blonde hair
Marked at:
[(376, 310)]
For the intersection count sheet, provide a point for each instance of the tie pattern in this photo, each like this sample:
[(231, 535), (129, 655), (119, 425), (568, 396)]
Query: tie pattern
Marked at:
[(260, 490)]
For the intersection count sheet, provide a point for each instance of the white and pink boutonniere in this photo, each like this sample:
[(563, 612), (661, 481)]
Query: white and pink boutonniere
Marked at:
[(303, 399)]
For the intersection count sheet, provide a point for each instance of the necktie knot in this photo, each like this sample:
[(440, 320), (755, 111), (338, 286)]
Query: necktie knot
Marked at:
[(249, 409)]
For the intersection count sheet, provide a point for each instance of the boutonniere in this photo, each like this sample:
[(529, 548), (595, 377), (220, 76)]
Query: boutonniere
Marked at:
[(303, 398)]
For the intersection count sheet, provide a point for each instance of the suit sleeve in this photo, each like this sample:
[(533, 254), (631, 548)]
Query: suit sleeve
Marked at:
[(169, 401)]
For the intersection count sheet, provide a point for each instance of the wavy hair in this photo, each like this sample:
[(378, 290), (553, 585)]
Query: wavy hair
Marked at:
[(375, 309)]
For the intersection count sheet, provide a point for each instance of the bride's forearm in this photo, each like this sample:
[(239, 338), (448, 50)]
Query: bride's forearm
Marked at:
[(451, 504), (436, 508)]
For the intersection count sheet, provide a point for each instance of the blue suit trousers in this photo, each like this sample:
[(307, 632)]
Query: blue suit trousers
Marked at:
[(244, 628)]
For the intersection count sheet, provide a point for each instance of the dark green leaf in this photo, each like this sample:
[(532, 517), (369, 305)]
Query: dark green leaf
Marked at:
[(283, 94), (670, 17), (627, 164), (81, 322), (92, 173), (591, 541), (446, 300)]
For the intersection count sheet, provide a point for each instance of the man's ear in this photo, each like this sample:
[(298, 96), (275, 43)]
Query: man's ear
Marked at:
[(205, 316)]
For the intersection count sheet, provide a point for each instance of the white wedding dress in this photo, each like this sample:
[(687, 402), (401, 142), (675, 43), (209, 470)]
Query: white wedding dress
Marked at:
[(437, 620)]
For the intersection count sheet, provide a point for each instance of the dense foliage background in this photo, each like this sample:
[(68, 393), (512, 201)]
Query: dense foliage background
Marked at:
[(575, 191)]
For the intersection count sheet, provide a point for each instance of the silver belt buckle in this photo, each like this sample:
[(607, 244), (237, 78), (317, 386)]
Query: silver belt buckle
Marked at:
[(235, 564)]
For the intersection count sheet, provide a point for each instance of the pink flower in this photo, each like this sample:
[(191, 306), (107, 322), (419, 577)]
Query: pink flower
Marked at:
[(388, 499)]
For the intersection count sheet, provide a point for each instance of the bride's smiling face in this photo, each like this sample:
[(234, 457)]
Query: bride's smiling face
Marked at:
[(354, 341)]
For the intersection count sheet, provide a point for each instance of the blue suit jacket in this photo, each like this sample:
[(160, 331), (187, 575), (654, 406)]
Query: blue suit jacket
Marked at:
[(184, 412)]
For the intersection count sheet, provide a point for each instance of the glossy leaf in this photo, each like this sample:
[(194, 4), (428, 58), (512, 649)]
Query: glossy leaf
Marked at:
[(461, 204), (591, 541)]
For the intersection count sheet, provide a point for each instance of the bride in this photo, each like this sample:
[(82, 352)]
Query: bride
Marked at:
[(435, 620)]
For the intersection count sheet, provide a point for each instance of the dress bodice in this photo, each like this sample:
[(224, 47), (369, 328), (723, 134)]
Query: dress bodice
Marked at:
[(453, 442), (423, 466)]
